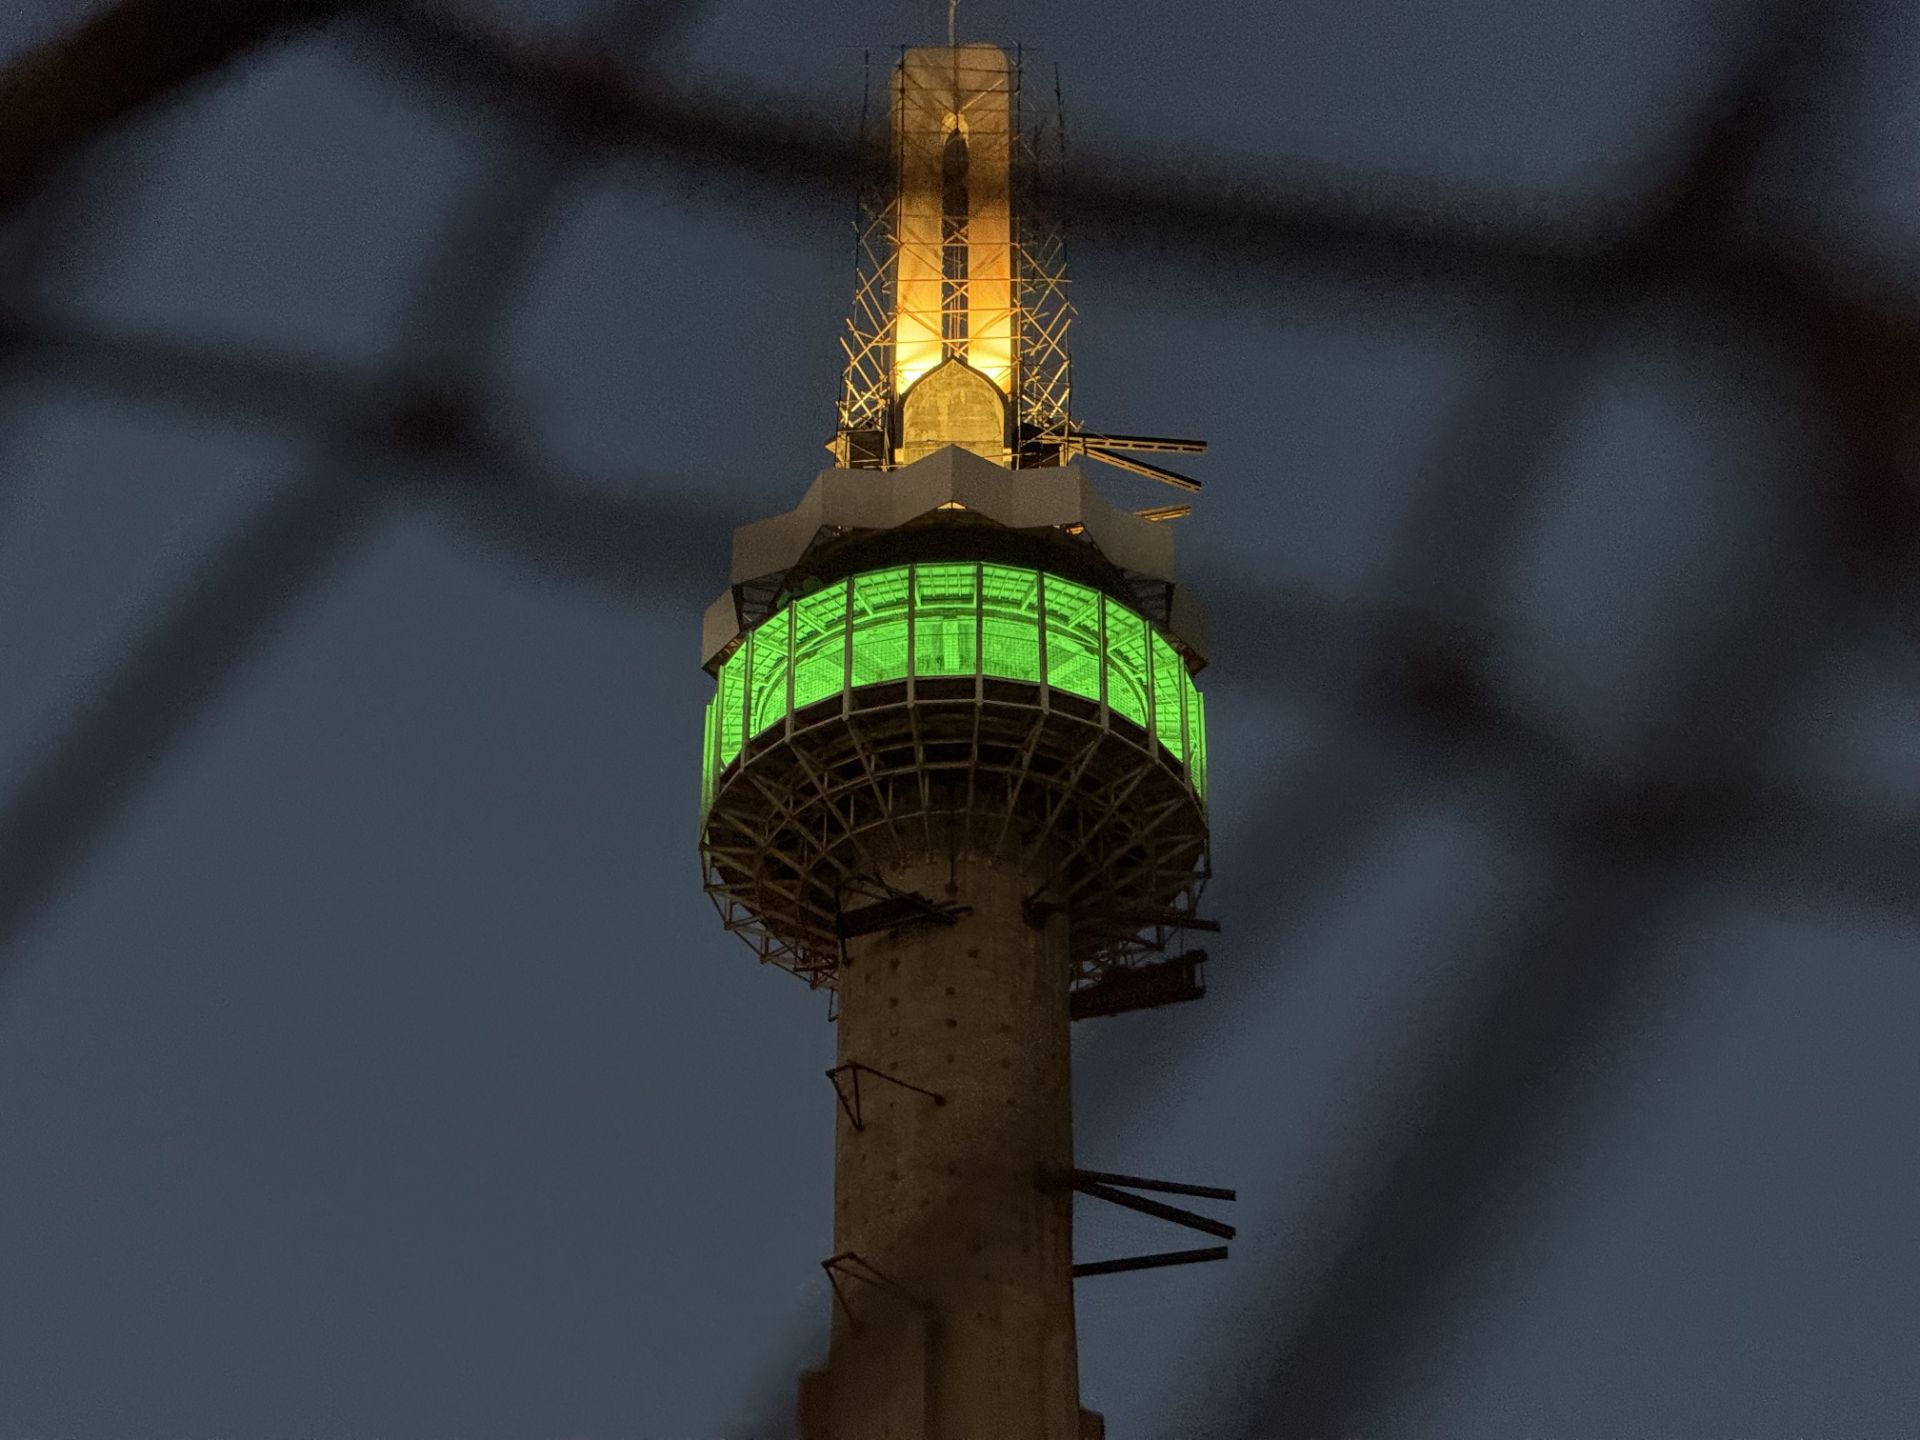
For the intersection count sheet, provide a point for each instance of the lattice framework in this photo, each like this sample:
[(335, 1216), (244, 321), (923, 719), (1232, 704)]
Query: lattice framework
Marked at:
[(1078, 797), (1043, 305)]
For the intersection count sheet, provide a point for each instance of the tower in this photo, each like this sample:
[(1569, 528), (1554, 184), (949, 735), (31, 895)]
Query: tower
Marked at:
[(955, 773)]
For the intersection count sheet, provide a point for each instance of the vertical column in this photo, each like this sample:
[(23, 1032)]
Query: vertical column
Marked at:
[(962, 1327)]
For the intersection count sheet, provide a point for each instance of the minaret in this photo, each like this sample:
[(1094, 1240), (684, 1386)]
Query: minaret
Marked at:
[(955, 773)]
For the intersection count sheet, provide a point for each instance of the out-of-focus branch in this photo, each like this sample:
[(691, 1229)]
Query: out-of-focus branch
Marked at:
[(1566, 970), (363, 425), (582, 91), (124, 59)]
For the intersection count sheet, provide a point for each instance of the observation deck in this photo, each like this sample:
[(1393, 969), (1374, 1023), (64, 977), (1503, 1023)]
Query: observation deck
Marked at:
[(1030, 712)]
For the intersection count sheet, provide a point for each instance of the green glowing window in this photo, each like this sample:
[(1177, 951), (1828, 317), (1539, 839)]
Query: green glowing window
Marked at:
[(733, 705), (1010, 623), (767, 665), (880, 627), (946, 614), (1073, 638), (819, 645), (1197, 727), (1126, 663), (706, 761), (1168, 672), (963, 620)]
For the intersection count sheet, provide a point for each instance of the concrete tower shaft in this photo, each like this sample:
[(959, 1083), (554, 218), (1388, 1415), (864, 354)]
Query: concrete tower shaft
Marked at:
[(958, 1284)]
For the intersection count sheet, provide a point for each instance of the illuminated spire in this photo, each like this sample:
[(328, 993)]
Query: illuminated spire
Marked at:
[(958, 334), (953, 254), (960, 315)]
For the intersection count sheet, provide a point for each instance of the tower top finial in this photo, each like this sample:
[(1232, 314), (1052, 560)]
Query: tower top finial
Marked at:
[(960, 315), (953, 16), (936, 357)]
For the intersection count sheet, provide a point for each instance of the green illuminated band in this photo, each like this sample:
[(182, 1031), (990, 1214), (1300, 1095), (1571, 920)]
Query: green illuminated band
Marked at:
[(956, 620)]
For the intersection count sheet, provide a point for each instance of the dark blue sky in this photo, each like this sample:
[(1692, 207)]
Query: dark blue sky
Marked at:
[(383, 1071)]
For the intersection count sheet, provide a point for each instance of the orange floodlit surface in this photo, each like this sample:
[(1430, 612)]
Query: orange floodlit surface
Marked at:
[(954, 278)]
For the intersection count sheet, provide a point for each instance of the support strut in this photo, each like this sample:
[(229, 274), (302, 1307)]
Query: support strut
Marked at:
[(851, 1102)]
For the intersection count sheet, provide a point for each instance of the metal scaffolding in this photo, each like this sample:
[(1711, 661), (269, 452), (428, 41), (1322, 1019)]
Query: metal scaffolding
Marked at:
[(1043, 309)]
